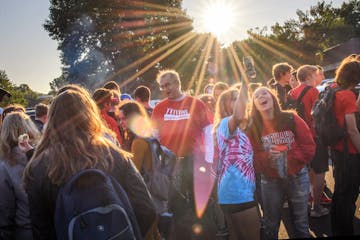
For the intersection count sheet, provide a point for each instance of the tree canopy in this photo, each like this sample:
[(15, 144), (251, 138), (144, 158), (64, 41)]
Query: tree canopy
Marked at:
[(21, 94), (130, 41)]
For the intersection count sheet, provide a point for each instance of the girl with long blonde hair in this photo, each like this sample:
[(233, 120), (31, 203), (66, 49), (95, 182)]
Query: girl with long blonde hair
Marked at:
[(235, 172), (75, 139), (16, 133)]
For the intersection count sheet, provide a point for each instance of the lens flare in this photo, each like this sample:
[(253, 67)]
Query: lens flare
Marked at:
[(141, 126), (197, 228)]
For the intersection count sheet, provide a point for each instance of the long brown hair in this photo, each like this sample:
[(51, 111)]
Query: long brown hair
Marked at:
[(74, 139), (14, 125), (283, 118)]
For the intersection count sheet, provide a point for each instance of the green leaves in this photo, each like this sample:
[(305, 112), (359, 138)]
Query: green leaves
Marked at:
[(21, 94)]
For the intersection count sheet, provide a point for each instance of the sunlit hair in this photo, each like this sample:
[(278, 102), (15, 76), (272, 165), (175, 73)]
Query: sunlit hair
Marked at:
[(220, 86), (143, 93), (209, 101), (74, 138), (280, 69), (170, 74), (252, 87), (14, 125), (12, 108), (305, 71), (102, 96), (74, 87), (348, 73), (112, 85), (222, 109), (133, 107), (281, 117), (320, 68)]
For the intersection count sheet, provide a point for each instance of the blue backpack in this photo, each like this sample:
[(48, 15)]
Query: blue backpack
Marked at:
[(93, 205)]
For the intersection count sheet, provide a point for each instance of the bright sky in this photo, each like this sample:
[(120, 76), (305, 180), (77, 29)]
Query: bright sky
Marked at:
[(28, 55)]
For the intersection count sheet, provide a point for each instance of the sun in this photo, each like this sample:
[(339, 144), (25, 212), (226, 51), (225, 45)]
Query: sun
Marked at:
[(219, 18)]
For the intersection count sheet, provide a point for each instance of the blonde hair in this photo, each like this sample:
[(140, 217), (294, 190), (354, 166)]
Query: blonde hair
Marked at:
[(305, 71), (14, 125), (169, 73), (75, 138), (220, 109)]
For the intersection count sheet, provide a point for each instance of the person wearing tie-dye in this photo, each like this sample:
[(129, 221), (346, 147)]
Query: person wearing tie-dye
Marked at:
[(235, 171)]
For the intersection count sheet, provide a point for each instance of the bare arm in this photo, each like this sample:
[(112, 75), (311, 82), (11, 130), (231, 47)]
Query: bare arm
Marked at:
[(352, 130), (239, 109)]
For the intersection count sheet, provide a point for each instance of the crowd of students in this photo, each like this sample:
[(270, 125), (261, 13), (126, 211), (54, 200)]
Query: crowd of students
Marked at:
[(263, 153)]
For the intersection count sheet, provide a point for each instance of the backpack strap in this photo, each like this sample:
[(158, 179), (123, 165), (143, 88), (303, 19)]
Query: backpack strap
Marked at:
[(154, 147), (302, 94)]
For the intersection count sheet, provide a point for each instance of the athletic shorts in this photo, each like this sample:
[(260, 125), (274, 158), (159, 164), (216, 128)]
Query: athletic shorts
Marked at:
[(320, 162), (233, 208)]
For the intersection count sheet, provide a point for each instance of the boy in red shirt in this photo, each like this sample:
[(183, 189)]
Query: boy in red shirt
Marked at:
[(308, 75)]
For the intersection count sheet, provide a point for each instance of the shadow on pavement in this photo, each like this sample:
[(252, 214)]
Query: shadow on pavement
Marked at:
[(319, 227)]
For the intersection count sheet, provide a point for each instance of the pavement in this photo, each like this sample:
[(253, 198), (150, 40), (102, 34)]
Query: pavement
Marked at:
[(319, 227)]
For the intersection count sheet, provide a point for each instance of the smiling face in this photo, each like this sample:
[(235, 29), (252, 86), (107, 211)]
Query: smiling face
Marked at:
[(263, 100)]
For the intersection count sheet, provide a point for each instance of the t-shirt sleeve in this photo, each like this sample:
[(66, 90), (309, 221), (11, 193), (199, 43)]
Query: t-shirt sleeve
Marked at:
[(349, 102), (303, 148), (155, 116), (223, 128), (223, 132)]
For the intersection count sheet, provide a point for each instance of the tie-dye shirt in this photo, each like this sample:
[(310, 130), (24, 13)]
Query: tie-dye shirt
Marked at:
[(236, 177)]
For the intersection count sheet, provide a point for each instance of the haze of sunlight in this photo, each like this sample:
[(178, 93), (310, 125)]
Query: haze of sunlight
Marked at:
[(218, 18)]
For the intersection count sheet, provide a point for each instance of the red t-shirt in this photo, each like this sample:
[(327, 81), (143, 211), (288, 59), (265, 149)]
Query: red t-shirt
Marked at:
[(180, 124), (344, 103), (300, 144), (111, 124), (308, 101)]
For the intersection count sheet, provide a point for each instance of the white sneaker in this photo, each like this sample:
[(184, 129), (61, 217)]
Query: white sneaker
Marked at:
[(319, 212)]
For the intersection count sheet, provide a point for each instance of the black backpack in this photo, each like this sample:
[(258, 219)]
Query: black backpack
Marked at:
[(158, 180), (93, 205), (297, 104), (327, 129)]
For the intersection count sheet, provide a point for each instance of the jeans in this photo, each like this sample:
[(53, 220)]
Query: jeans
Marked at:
[(296, 190), (347, 181)]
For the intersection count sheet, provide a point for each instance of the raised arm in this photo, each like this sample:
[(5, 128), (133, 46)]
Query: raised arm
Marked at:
[(239, 109)]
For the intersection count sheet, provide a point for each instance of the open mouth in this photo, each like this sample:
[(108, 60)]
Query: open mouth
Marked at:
[(264, 102)]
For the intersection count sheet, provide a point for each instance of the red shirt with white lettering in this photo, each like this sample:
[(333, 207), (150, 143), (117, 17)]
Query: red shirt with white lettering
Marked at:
[(300, 145), (344, 103), (308, 101), (180, 124)]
